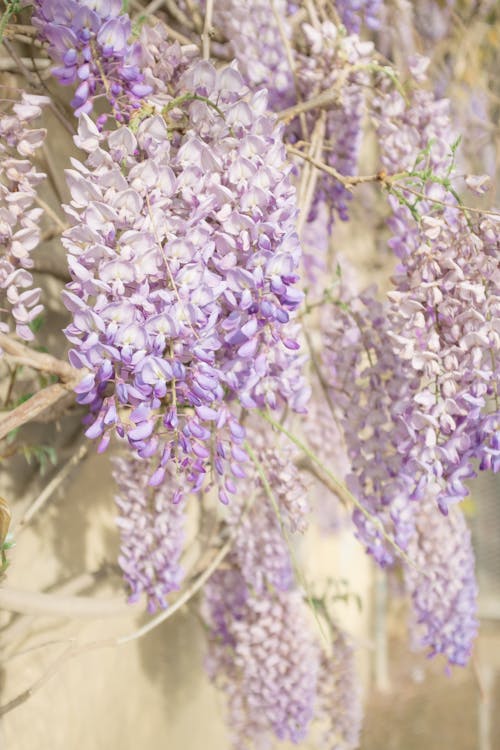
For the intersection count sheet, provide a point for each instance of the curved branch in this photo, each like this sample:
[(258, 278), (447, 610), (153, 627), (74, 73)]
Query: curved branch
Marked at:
[(35, 406), (22, 354), (39, 603), (52, 486)]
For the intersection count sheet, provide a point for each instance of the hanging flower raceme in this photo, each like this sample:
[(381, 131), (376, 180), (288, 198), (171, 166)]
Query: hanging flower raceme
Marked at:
[(445, 309), (336, 64), (151, 524), (354, 13), (255, 38), (370, 388), (183, 254), (339, 710), (442, 584), (92, 46), (262, 651), (19, 221), (263, 655)]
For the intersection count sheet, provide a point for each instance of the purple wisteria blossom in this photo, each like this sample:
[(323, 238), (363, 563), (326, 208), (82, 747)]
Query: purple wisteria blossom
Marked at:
[(255, 40), (370, 388), (336, 63), (445, 308), (262, 524), (19, 221), (263, 655), (91, 44), (151, 525), (262, 651), (184, 258), (354, 13), (442, 584), (339, 710)]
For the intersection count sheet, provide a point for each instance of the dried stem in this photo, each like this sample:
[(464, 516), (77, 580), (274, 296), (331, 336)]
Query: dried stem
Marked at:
[(11, 66), (36, 405), (207, 29), (51, 487), (74, 650), (291, 63), (54, 605), (22, 354), (178, 14), (53, 215)]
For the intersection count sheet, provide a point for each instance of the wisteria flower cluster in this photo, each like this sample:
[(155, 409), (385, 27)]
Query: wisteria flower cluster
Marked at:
[(353, 13), (339, 709), (336, 63), (445, 311), (261, 650), (151, 525), (221, 144), (184, 254), (92, 46), (255, 34), (442, 584), (358, 359), (20, 139), (262, 655)]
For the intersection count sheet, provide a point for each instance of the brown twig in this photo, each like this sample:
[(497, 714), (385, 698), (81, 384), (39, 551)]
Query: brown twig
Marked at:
[(178, 14), (325, 99), (54, 605), (31, 409), (207, 29), (349, 181), (22, 354)]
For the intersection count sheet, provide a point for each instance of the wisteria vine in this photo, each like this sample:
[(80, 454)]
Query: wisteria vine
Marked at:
[(215, 148)]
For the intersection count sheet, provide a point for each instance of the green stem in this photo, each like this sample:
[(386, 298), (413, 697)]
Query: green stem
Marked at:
[(191, 98), (341, 486), (297, 569)]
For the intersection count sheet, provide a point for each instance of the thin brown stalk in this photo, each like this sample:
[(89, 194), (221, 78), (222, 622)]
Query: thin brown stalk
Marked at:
[(54, 484)]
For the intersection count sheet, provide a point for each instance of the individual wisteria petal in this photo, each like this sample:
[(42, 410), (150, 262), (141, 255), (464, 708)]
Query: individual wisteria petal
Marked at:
[(442, 584), (19, 221), (91, 44), (151, 525), (184, 258)]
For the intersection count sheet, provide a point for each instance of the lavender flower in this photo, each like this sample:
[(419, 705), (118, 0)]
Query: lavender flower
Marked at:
[(90, 43), (184, 259), (442, 584), (19, 230), (261, 524), (151, 527)]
